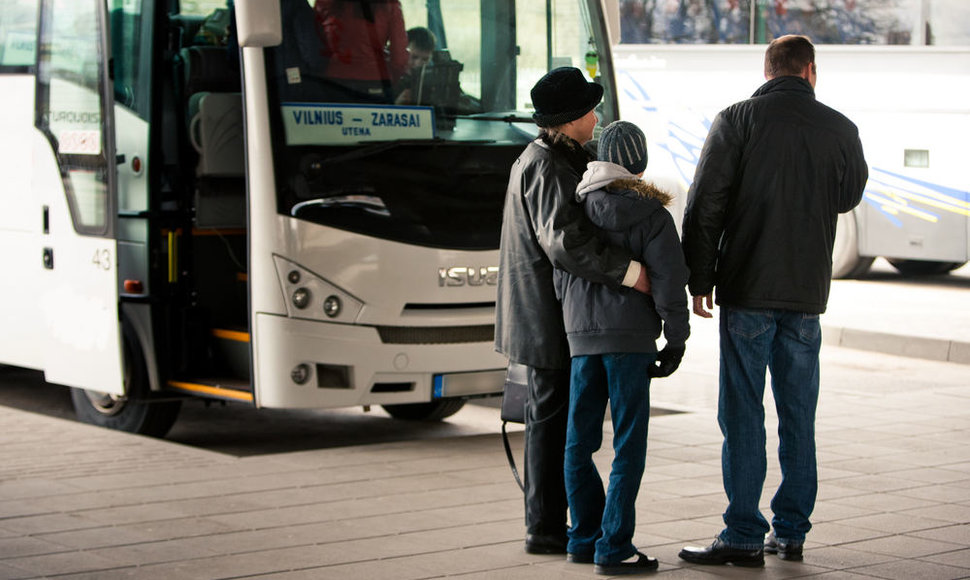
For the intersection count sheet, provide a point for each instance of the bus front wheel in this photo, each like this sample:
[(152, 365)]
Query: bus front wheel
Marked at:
[(924, 267), (434, 411), (133, 412), (846, 261)]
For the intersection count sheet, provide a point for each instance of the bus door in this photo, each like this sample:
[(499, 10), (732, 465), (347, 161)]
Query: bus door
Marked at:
[(74, 178)]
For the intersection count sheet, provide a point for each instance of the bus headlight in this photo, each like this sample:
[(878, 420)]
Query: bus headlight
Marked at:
[(310, 297), (332, 306), (301, 298)]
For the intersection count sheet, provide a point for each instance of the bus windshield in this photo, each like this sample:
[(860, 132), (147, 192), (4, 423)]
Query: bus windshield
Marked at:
[(401, 120)]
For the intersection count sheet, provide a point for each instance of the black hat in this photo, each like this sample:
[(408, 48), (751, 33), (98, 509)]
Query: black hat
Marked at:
[(563, 95), (623, 143)]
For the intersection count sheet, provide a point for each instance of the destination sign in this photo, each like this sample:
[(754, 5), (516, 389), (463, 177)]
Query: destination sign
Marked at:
[(336, 124)]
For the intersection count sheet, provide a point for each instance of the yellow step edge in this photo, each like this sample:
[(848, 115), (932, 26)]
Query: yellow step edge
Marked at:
[(213, 391), (235, 335)]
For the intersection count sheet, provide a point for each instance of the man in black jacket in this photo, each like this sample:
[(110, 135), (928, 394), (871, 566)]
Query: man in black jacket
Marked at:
[(774, 173), (543, 227)]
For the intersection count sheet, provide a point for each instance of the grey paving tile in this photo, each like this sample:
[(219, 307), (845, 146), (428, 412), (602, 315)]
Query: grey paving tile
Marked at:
[(840, 575), (832, 489), (903, 546), (11, 572), (838, 533), (25, 488), (909, 569), (932, 475), (62, 563), (953, 513), (894, 523), (877, 483), (959, 533), (943, 458), (885, 502), (48, 523), (28, 546), (831, 511), (957, 559), (154, 552), (952, 493), (839, 558), (869, 465), (98, 537)]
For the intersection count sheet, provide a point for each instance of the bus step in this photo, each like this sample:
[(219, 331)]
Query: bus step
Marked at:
[(215, 388), (231, 352)]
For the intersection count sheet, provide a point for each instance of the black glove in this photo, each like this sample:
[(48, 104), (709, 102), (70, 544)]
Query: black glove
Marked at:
[(668, 360)]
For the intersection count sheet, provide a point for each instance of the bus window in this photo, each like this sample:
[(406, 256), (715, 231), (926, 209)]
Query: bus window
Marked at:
[(131, 55), (892, 22), (948, 23), (71, 110), (18, 34), (200, 7)]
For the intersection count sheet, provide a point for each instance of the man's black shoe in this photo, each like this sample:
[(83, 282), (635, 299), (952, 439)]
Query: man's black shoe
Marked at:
[(577, 558), (642, 564), (786, 550), (536, 544), (720, 553)]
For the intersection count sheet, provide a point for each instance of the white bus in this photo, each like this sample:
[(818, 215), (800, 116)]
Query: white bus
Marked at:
[(900, 69), (181, 217)]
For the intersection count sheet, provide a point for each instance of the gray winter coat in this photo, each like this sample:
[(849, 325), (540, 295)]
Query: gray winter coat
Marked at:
[(543, 226), (602, 320)]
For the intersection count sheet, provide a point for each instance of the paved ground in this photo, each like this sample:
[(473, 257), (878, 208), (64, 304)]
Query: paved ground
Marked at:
[(894, 455)]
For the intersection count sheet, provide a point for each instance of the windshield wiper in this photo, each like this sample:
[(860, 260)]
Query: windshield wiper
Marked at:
[(369, 203), (377, 147), (512, 117)]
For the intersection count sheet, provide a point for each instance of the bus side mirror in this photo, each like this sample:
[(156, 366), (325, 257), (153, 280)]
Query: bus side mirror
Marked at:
[(258, 23)]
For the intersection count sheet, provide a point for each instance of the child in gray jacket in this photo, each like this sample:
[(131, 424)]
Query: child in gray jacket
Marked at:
[(612, 341)]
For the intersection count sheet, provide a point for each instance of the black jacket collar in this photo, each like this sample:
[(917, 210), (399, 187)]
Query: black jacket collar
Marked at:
[(786, 83)]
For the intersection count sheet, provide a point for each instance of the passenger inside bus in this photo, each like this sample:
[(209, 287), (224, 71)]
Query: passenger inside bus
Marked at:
[(433, 79), (366, 47), (421, 45)]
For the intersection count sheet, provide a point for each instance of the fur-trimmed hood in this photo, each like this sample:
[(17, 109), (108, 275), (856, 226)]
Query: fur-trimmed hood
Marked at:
[(613, 177), (627, 192)]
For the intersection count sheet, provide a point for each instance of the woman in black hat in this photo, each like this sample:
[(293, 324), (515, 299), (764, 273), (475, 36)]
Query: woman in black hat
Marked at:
[(543, 228)]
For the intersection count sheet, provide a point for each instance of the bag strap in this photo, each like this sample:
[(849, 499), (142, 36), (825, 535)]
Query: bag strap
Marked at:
[(508, 453)]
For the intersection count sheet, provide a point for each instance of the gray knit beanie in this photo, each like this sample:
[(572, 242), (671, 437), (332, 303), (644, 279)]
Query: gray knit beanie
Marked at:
[(623, 143)]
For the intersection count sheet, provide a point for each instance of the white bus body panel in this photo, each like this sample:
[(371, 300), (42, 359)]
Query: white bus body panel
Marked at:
[(79, 295), (901, 98), (21, 221), (386, 280)]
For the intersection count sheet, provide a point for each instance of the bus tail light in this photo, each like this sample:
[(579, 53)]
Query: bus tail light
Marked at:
[(134, 287)]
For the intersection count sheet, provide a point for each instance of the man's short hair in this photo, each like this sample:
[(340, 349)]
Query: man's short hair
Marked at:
[(788, 55), (422, 38)]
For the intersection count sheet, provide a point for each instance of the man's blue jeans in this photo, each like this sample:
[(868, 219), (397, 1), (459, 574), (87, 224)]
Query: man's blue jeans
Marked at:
[(603, 525), (787, 343)]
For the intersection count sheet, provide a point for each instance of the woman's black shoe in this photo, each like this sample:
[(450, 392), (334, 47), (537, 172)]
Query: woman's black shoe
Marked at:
[(642, 564), (537, 544)]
